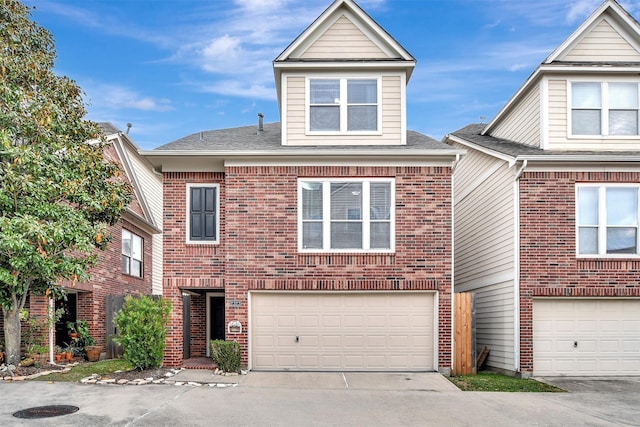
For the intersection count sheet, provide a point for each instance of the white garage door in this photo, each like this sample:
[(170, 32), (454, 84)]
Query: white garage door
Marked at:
[(586, 337), (342, 331)]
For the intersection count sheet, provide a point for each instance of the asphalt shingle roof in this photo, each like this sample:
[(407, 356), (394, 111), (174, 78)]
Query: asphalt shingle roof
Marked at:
[(247, 138), (473, 134)]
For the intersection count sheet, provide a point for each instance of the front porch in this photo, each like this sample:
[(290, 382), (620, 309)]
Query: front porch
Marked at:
[(203, 320)]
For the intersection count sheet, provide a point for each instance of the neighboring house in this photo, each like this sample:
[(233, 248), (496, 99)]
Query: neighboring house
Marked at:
[(546, 210), (323, 242), (132, 262)]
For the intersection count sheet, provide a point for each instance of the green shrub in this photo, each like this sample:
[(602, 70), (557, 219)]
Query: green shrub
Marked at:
[(142, 329), (226, 354)]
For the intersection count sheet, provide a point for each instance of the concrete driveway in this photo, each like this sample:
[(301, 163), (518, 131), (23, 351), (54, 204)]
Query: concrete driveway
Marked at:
[(350, 381), (604, 385), (314, 399)]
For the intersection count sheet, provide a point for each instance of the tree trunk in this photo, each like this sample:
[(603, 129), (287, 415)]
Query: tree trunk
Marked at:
[(12, 336)]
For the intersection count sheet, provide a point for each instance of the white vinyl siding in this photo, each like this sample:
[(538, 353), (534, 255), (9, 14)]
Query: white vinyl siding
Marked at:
[(495, 323), (151, 186), (381, 331), (523, 123), (588, 337), (343, 40), (603, 44), (484, 250), (391, 119)]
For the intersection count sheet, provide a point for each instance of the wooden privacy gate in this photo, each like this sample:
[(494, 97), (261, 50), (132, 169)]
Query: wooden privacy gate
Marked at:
[(463, 334), (114, 303)]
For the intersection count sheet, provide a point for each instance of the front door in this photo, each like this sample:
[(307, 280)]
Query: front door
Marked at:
[(216, 326), (70, 307)]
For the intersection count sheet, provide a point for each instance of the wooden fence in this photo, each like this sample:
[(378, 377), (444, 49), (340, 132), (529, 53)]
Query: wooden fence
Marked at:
[(463, 337)]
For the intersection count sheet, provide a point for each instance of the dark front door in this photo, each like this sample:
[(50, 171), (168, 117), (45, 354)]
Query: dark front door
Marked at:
[(70, 307), (216, 318)]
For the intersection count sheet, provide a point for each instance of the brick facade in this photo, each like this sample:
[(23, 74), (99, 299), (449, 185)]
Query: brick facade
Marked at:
[(548, 263), (258, 247)]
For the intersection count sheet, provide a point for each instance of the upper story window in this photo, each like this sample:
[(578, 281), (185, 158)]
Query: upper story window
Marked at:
[(338, 105), (202, 205), (608, 219), (339, 215), (131, 253), (604, 108)]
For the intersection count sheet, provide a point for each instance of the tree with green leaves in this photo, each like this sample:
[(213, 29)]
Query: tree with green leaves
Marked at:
[(58, 193)]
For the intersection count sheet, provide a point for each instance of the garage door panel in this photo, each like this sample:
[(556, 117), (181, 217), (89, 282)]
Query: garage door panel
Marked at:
[(353, 341), (330, 321), (376, 321), (607, 332), (385, 331), (285, 321)]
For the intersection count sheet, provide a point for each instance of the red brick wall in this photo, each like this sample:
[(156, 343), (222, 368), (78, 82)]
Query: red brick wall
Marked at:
[(258, 248), (548, 266), (198, 326)]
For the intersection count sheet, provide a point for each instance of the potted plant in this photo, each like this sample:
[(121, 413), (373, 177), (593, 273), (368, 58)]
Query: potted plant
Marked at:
[(58, 354), (91, 350), (2, 356)]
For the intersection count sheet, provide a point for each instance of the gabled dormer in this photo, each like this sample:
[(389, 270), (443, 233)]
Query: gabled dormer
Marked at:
[(585, 96), (342, 82)]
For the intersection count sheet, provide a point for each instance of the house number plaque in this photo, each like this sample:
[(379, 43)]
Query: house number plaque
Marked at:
[(235, 303)]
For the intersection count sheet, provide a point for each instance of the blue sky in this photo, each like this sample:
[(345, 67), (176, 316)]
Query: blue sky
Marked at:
[(176, 67)]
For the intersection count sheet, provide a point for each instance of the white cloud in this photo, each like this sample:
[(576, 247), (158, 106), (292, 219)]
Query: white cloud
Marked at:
[(115, 97), (241, 88), (581, 9)]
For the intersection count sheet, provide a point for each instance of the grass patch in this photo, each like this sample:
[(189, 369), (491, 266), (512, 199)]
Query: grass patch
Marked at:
[(491, 381), (83, 370)]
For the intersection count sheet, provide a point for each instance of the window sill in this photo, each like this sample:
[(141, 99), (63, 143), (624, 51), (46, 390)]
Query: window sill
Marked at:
[(132, 276), (202, 242), (346, 259), (347, 133), (612, 257)]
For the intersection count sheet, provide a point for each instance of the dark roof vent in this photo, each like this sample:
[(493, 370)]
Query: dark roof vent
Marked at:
[(260, 122)]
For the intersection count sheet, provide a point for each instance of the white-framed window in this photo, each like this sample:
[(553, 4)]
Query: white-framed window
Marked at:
[(203, 209), (346, 215), (131, 253), (605, 108), (607, 219), (343, 105)]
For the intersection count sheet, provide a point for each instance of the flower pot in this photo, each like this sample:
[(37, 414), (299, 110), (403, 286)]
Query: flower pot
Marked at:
[(68, 356), (58, 357), (93, 352)]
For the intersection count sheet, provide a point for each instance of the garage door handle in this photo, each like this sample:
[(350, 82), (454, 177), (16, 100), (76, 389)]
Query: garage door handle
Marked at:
[(297, 338), (575, 344)]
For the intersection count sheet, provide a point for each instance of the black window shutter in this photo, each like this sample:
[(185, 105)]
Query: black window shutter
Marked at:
[(203, 213)]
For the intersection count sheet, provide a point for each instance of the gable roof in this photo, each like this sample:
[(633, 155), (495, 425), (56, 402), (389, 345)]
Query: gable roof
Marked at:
[(125, 148), (472, 136), (384, 51), (355, 15), (561, 60), (612, 13)]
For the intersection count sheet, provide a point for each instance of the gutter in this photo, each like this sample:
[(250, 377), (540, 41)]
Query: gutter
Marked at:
[(302, 153), (521, 170)]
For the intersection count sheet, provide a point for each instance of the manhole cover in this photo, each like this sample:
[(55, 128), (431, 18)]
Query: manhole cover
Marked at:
[(45, 411)]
